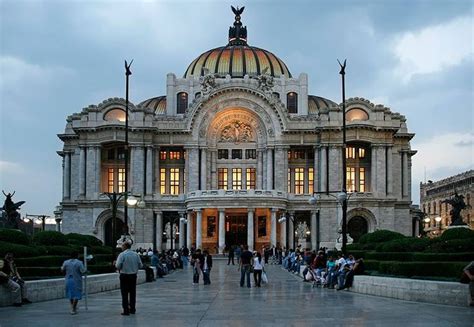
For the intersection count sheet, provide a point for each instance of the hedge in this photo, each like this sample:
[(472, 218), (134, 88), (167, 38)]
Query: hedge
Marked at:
[(406, 244), (56, 271), (43, 261), (100, 250), (451, 246), (14, 236), (380, 236), (389, 256), (410, 269), (20, 251), (457, 234), (62, 250), (83, 240), (435, 257), (50, 238)]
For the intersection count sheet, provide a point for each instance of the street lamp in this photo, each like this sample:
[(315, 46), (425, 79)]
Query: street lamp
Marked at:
[(125, 207), (344, 162)]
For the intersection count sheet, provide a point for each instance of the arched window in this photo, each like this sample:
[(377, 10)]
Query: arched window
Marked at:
[(276, 95), (356, 227), (356, 114), (182, 102), (292, 102), (115, 115)]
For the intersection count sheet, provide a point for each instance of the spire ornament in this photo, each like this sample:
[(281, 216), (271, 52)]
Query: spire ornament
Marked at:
[(237, 33)]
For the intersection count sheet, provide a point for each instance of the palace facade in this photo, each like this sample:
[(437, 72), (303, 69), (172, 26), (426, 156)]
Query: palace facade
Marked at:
[(236, 143)]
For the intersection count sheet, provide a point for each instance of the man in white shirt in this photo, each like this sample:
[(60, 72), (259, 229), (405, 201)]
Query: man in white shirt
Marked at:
[(128, 263)]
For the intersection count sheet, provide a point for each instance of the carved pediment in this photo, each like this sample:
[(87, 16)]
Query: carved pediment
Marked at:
[(237, 132)]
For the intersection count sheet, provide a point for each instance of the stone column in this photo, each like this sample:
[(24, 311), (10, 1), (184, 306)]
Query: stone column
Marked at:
[(193, 169), (67, 175), (291, 230), (203, 169), (213, 169), (250, 228), (199, 229), (381, 172), (181, 229), (98, 165), (149, 170), (157, 179), (260, 169), (316, 176), (323, 169), (92, 167), (405, 174), (189, 230), (159, 230), (389, 170), (314, 229), (273, 230), (137, 163), (270, 169), (221, 230), (374, 170), (82, 171), (281, 167), (335, 171), (283, 234)]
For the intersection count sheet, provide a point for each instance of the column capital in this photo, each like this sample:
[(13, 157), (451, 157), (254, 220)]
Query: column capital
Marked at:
[(221, 209), (158, 212), (252, 210), (275, 210)]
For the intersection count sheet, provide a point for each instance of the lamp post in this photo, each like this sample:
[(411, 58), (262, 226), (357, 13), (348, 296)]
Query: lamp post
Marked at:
[(125, 207), (344, 162)]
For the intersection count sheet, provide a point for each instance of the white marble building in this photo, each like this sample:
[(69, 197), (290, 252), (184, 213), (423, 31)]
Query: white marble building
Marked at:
[(234, 144)]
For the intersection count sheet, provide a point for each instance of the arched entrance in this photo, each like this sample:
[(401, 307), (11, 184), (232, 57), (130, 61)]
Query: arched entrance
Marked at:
[(356, 227), (109, 240)]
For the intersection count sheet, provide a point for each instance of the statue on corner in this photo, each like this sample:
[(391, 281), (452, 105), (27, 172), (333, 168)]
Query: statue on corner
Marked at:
[(458, 204), (10, 211)]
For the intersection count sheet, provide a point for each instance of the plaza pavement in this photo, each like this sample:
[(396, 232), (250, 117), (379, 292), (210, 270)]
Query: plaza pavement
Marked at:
[(285, 301)]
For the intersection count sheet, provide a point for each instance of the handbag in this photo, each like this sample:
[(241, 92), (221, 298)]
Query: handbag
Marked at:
[(264, 277)]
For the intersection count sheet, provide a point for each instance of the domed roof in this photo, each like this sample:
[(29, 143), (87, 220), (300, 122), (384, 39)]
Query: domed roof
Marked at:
[(157, 104), (316, 103), (237, 58)]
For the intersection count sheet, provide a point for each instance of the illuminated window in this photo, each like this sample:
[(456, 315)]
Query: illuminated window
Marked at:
[(162, 180), (289, 155), (223, 154), (175, 155), (250, 154), (251, 178), (174, 181), (110, 180), (310, 180), (222, 178), (182, 102), (292, 102), (115, 115), (361, 179), (237, 178), (350, 179), (162, 155), (236, 154), (289, 180), (350, 153), (116, 180), (361, 153), (299, 180), (356, 114)]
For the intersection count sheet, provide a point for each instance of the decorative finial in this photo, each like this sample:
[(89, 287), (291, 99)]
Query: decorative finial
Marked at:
[(237, 33)]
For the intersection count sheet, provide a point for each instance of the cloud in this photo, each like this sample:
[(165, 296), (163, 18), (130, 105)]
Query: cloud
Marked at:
[(452, 152), (433, 48), (10, 167)]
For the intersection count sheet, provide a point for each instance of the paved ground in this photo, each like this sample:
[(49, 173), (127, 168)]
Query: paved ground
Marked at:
[(286, 301)]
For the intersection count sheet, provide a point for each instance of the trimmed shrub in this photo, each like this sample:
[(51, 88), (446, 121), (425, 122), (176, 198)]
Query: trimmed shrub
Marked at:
[(53, 261), (457, 234), (50, 238), (406, 244), (83, 240), (380, 236), (40, 272), (389, 256), (100, 250), (372, 265), (451, 246), (357, 253), (410, 269), (20, 251), (14, 236), (62, 250), (434, 257)]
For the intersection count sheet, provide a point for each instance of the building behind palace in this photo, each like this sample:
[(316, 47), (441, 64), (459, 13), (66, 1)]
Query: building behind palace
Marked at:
[(236, 143), (432, 195)]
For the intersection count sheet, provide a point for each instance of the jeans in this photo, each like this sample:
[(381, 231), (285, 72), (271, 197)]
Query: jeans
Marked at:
[(257, 276), (245, 271), (185, 261), (195, 276), (206, 276), (341, 276)]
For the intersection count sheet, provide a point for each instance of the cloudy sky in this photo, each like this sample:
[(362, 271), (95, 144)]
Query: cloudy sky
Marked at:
[(57, 57)]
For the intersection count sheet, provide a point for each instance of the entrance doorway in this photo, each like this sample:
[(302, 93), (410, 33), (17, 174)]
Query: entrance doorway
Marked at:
[(356, 227), (108, 238), (235, 230)]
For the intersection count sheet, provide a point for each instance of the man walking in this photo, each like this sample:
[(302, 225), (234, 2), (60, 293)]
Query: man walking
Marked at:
[(128, 263), (245, 264), (231, 255)]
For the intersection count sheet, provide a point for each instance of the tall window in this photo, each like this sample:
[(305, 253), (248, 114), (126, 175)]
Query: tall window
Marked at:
[(250, 154), (112, 169), (358, 168), (310, 180), (251, 178), (222, 178), (223, 154), (175, 155), (292, 102), (299, 180), (182, 102), (162, 180), (262, 226), (236, 154), (174, 181), (237, 178), (116, 180)]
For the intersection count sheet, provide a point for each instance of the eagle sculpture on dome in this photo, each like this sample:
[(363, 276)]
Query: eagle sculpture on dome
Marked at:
[(237, 11)]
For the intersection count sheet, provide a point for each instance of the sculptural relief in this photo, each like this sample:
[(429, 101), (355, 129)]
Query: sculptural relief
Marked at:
[(237, 132)]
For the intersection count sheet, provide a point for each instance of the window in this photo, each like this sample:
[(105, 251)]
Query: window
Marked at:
[(237, 178), (162, 180), (223, 154), (350, 153), (175, 155), (289, 180), (116, 180), (350, 178), (361, 179), (115, 115), (162, 155), (310, 180), (292, 102), (358, 168), (211, 226), (174, 181), (251, 178), (356, 114), (361, 153), (262, 226), (182, 102), (299, 180), (250, 154), (236, 154), (222, 178), (276, 95), (117, 153), (298, 154)]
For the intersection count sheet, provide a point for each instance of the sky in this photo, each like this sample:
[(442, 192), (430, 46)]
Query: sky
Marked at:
[(57, 57)]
